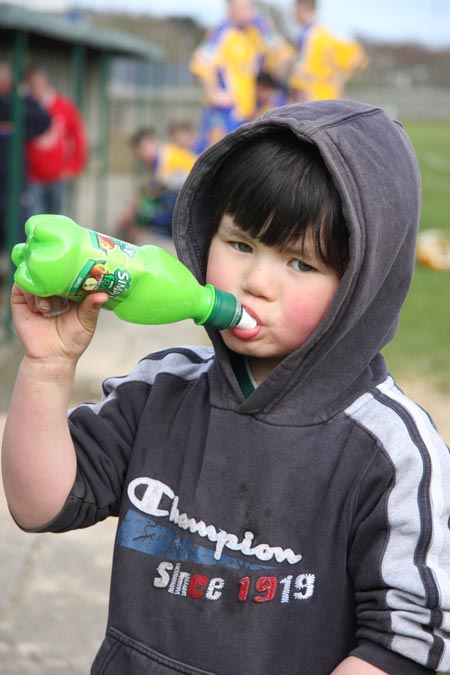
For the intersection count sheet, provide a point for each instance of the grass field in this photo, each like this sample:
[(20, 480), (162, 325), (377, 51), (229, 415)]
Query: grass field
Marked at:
[(422, 344)]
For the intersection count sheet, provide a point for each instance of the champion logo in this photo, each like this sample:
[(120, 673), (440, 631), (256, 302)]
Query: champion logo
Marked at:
[(152, 491)]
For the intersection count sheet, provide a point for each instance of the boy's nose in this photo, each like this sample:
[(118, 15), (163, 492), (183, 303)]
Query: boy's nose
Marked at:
[(259, 280)]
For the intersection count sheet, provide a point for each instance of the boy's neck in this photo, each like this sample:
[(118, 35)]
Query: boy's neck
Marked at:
[(243, 374), (261, 368), (250, 372)]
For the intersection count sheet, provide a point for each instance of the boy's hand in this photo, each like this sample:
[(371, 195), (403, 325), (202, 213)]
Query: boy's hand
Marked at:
[(61, 337)]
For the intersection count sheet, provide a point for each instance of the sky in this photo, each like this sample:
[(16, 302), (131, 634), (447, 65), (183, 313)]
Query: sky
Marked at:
[(423, 21)]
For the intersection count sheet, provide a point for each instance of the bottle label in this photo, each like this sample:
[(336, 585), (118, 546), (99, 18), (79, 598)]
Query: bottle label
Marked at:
[(101, 242), (96, 275)]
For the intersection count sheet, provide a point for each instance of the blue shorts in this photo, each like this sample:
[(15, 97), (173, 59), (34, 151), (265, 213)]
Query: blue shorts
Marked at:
[(215, 123)]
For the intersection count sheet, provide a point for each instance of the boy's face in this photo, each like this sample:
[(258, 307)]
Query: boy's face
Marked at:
[(240, 12), (39, 84), (304, 13), (146, 150), (288, 292)]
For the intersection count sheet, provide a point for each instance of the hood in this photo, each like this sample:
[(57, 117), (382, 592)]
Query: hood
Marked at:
[(375, 171)]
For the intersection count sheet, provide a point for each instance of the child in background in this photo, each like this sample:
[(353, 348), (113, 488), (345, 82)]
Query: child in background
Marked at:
[(227, 63), (324, 62), (183, 134), (283, 506), (167, 165), (270, 93)]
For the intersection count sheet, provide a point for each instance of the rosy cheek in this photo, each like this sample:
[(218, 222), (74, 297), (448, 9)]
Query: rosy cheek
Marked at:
[(303, 314), (298, 318), (295, 307), (214, 276), (211, 271), (221, 269)]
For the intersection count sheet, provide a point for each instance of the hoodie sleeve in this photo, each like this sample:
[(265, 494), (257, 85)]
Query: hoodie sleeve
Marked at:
[(399, 557), (104, 434)]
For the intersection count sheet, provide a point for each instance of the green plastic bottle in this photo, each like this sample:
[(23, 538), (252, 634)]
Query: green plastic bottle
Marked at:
[(145, 284)]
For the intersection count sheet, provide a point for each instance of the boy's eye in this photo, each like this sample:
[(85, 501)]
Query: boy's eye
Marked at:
[(241, 246), (300, 266)]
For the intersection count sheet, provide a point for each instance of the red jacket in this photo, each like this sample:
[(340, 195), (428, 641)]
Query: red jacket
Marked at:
[(61, 151)]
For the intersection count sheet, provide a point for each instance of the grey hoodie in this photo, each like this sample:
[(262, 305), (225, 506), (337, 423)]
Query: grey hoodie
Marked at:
[(279, 533)]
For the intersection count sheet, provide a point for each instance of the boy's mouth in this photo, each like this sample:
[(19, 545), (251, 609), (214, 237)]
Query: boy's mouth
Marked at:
[(253, 314), (248, 333), (245, 333)]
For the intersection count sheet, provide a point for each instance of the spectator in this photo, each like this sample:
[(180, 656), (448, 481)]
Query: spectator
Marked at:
[(35, 121), (183, 134), (168, 166), (324, 62), (60, 154), (228, 62), (270, 93)]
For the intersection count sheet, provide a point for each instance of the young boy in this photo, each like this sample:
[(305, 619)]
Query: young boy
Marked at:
[(282, 505)]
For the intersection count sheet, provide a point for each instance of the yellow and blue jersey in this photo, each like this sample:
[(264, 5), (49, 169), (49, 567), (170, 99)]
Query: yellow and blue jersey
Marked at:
[(324, 64), (231, 57), (173, 165)]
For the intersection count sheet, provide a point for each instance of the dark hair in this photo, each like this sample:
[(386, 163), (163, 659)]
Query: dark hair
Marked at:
[(268, 80), (34, 69), (176, 125), (277, 188), (309, 3), (141, 134)]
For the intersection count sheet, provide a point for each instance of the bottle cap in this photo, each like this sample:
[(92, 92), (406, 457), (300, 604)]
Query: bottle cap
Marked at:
[(246, 321), (226, 311)]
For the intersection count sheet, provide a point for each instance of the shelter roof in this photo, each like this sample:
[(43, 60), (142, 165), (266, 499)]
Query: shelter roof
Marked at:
[(81, 32)]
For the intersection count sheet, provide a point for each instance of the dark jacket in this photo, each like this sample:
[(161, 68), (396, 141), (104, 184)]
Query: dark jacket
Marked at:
[(279, 533), (35, 121)]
